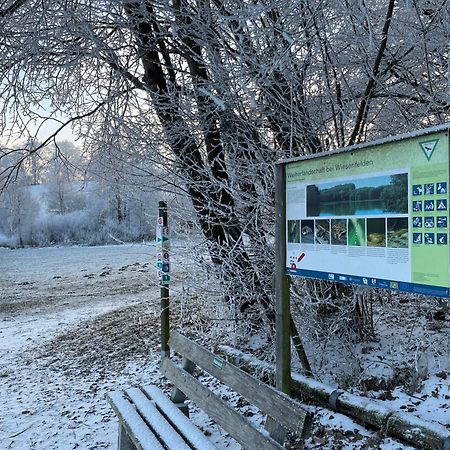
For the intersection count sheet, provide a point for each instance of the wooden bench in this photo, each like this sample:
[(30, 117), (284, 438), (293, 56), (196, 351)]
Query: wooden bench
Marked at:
[(148, 419)]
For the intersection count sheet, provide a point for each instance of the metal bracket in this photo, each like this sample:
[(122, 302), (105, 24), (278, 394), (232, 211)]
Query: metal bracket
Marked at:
[(332, 400)]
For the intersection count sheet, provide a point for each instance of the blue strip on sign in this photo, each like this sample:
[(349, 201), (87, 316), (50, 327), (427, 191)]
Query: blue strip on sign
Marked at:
[(402, 286)]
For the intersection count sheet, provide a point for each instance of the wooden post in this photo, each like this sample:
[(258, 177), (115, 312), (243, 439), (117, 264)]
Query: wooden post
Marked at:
[(165, 312), (298, 345), (282, 294)]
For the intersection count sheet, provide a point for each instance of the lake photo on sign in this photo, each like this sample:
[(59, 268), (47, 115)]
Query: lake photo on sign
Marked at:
[(368, 196)]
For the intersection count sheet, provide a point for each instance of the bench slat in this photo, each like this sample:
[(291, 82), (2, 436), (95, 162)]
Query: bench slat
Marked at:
[(157, 422), (276, 404), (135, 427), (183, 425), (231, 421)]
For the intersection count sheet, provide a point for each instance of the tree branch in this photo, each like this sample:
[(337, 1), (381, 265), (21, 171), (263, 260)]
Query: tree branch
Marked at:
[(363, 109), (11, 172)]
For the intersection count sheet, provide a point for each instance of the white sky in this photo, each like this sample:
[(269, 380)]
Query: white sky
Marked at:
[(41, 129)]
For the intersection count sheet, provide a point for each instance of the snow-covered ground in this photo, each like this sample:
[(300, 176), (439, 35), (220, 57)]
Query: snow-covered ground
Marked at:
[(77, 322), (58, 312)]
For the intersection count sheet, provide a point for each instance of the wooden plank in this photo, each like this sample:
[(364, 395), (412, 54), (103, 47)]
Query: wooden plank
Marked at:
[(277, 405), (136, 428), (230, 420), (179, 421), (157, 422)]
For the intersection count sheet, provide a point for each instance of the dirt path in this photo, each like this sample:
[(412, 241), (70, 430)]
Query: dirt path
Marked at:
[(66, 339)]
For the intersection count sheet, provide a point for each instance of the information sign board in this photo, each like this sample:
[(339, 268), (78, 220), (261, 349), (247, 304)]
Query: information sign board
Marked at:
[(375, 214)]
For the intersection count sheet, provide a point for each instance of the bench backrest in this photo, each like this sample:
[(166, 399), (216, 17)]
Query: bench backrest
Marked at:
[(270, 401)]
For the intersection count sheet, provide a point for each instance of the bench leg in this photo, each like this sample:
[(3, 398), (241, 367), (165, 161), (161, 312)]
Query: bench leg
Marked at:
[(276, 431), (183, 408), (177, 396), (125, 443)]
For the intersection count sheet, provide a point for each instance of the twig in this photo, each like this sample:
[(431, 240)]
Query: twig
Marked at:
[(20, 432)]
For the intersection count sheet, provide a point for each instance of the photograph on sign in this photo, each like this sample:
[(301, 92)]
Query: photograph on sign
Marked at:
[(382, 195), (374, 215)]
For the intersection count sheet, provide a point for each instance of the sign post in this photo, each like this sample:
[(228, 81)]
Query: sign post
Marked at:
[(282, 291), (163, 272)]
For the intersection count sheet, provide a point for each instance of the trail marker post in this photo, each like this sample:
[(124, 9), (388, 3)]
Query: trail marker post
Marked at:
[(163, 272)]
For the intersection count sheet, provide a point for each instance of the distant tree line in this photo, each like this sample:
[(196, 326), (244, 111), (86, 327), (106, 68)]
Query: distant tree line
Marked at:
[(62, 201), (393, 197)]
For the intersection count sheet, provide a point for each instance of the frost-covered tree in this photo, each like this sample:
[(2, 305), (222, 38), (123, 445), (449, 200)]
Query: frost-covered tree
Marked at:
[(211, 92), (17, 209), (64, 178)]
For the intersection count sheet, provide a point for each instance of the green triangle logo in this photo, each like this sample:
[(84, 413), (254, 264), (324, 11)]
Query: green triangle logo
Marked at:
[(428, 147)]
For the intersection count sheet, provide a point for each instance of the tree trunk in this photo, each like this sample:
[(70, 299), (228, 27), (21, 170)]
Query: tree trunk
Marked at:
[(206, 179)]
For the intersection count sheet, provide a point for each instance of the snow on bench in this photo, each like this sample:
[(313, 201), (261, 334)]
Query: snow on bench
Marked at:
[(150, 420)]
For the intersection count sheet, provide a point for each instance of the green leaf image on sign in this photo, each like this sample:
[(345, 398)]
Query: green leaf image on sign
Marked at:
[(428, 147)]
